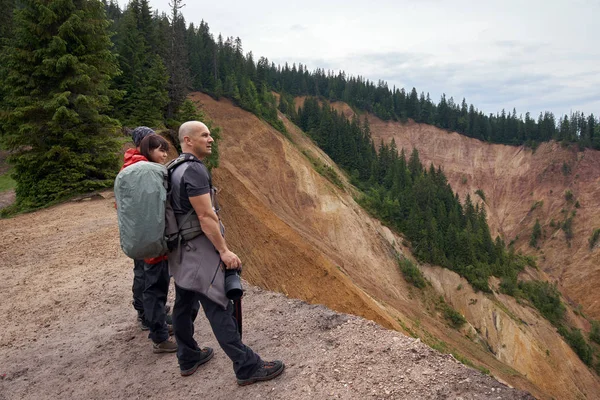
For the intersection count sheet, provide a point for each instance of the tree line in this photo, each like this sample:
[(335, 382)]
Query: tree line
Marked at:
[(218, 66)]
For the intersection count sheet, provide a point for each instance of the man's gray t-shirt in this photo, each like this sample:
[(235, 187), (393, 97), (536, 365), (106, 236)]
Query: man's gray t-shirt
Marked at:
[(190, 179)]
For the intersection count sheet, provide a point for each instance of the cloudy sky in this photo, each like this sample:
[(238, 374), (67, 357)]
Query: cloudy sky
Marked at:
[(534, 55)]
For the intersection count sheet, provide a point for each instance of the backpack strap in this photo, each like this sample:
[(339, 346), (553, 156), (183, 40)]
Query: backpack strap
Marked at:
[(183, 229)]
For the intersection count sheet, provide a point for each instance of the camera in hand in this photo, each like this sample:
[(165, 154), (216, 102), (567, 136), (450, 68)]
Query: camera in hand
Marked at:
[(233, 284)]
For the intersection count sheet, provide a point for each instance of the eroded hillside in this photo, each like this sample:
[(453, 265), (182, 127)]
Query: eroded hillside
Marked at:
[(520, 186), (300, 234)]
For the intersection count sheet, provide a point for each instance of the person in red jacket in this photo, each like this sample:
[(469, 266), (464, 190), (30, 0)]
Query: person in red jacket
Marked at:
[(151, 276)]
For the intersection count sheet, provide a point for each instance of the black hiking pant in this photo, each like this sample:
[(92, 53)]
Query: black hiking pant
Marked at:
[(224, 326), (156, 287), (138, 288)]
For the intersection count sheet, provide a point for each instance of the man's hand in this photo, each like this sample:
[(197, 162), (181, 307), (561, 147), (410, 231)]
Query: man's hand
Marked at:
[(230, 260)]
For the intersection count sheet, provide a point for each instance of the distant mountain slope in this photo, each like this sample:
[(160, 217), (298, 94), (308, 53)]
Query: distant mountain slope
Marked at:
[(515, 179)]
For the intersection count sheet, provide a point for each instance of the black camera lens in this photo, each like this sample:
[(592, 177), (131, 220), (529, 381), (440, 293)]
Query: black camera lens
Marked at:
[(233, 284)]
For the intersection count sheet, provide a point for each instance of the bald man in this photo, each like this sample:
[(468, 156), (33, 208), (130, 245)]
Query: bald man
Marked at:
[(198, 267)]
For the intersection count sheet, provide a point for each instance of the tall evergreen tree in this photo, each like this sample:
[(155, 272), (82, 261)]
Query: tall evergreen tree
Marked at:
[(177, 60), (58, 90)]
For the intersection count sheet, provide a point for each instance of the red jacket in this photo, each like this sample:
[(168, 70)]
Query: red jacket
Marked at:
[(131, 157)]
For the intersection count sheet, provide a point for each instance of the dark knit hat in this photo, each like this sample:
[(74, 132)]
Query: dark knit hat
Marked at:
[(139, 133)]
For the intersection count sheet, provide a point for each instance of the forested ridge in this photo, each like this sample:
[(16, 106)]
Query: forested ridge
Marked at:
[(220, 68)]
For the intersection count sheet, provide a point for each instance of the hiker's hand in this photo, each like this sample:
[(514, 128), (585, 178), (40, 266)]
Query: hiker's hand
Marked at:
[(230, 260)]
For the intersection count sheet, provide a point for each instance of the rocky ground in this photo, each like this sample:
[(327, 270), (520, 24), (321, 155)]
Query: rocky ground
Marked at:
[(70, 331)]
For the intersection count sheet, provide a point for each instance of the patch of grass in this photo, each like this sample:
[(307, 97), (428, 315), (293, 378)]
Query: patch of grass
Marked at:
[(6, 182), (407, 329), (324, 170), (469, 363)]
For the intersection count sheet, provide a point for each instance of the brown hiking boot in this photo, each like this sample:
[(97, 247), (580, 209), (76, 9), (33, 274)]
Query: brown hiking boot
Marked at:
[(207, 354), (164, 347), (267, 371)]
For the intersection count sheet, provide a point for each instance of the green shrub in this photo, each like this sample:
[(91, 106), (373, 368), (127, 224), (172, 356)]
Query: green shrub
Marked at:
[(568, 195), (595, 332), (537, 204), (567, 227), (7, 182), (480, 193), (546, 298), (594, 238), (412, 273), (535, 234), (575, 339), (455, 318)]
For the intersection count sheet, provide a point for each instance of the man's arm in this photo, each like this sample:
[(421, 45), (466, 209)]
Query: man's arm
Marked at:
[(210, 226)]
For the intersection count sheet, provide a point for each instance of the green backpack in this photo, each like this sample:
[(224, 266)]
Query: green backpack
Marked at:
[(148, 227), (141, 197)]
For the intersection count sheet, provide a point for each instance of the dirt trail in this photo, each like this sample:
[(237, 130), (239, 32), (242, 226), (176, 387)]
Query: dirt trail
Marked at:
[(71, 331)]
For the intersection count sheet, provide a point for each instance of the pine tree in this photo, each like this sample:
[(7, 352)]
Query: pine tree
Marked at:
[(177, 60), (58, 90), (151, 98)]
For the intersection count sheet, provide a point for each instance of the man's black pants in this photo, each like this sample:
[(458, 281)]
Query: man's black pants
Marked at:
[(224, 326), (156, 287), (138, 287)]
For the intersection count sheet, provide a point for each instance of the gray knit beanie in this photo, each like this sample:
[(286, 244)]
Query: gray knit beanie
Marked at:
[(140, 133)]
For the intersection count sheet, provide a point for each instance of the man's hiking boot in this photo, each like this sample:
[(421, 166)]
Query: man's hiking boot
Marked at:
[(267, 371), (207, 354), (143, 325), (166, 346)]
